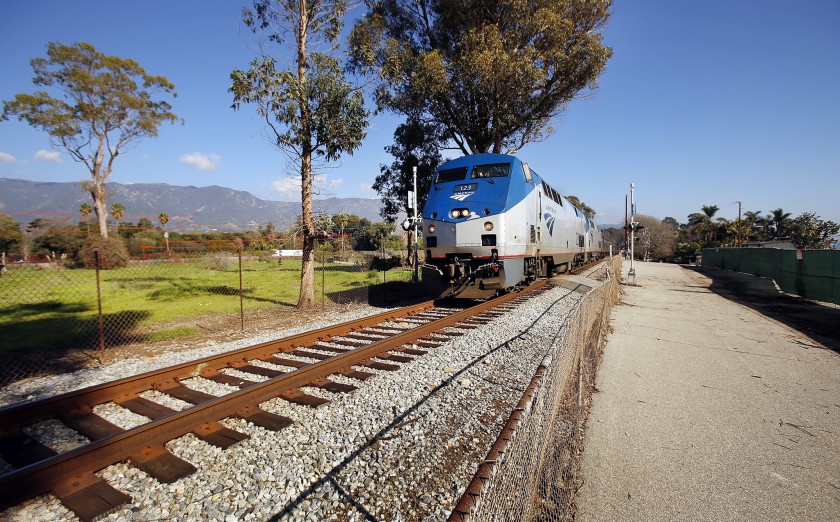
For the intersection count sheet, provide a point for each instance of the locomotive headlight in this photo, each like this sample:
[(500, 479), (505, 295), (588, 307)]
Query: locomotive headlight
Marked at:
[(455, 213), (465, 212), (488, 226), (431, 229)]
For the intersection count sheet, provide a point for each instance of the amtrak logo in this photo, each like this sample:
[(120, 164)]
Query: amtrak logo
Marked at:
[(462, 192), (549, 223)]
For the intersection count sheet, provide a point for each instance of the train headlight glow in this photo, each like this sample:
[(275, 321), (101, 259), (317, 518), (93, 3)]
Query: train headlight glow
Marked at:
[(431, 229), (465, 212), (488, 226)]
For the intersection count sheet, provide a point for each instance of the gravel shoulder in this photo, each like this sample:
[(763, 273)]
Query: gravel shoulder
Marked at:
[(401, 447), (709, 410)]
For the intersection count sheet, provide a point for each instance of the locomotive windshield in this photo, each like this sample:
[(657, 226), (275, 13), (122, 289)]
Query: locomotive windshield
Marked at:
[(456, 174), (492, 170)]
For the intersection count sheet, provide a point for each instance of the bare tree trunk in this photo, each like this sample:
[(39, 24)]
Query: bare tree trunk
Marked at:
[(307, 269), (97, 192)]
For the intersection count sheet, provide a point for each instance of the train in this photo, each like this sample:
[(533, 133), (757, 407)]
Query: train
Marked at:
[(491, 223)]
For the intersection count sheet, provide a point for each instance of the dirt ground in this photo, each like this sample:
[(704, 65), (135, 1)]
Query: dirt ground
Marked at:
[(820, 321)]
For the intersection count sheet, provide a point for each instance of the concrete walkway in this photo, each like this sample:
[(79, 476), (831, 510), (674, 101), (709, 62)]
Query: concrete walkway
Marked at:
[(708, 410)]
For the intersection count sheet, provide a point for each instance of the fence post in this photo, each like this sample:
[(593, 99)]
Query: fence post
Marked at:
[(99, 304), (241, 302), (323, 277)]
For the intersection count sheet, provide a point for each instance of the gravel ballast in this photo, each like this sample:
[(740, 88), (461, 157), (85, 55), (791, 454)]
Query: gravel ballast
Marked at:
[(403, 446)]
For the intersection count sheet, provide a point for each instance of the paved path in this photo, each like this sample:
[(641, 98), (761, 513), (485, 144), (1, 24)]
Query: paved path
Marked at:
[(708, 410)]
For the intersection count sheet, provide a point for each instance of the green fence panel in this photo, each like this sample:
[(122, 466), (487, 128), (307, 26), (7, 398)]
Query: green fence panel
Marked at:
[(815, 276), (836, 278), (812, 276), (763, 262)]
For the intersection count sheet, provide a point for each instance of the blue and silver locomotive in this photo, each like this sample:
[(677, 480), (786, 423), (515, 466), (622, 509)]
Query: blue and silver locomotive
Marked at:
[(491, 223)]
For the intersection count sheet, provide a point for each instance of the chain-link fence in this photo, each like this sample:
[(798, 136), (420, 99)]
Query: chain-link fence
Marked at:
[(530, 472), (57, 316)]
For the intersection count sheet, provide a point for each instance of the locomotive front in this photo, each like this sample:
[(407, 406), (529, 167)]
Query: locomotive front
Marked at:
[(466, 226)]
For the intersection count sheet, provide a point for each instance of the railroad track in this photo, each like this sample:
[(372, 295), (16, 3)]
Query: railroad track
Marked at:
[(346, 349)]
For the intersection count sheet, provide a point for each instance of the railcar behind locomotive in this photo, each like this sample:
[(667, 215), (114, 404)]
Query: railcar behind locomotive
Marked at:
[(491, 223)]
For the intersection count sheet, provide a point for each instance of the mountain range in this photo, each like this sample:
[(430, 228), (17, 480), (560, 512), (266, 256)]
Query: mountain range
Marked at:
[(189, 208)]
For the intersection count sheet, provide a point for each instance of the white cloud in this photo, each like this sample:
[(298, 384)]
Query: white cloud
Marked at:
[(201, 161), (322, 180), (366, 187), (49, 157), (286, 187), (5, 157)]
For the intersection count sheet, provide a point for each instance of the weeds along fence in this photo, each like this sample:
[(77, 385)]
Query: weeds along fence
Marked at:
[(56, 317), (530, 472)]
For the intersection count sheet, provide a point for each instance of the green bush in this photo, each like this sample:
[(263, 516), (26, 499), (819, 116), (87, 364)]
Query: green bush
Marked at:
[(112, 253)]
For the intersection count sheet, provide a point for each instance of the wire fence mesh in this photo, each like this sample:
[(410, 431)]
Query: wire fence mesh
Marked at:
[(56, 316), (530, 472)]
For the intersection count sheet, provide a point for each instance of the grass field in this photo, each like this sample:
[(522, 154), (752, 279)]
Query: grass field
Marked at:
[(57, 308)]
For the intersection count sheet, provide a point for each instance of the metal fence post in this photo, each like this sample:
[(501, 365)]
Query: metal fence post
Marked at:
[(241, 301), (99, 304)]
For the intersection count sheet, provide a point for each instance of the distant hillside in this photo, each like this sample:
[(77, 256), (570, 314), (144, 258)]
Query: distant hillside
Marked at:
[(188, 207)]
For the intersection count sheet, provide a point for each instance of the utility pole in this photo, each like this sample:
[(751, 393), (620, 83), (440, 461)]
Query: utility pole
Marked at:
[(416, 228), (632, 272), (739, 225), (626, 229)]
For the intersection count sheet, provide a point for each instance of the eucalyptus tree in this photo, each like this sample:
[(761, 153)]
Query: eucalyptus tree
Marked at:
[(417, 145), (310, 110), (493, 74), (104, 104)]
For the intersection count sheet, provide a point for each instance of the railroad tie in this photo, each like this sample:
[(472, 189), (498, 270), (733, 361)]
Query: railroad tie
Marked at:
[(210, 432), (376, 365), (20, 450), (305, 399), (260, 370), (90, 497), (158, 462), (229, 380), (355, 374), (264, 419), (91, 425), (336, 387)]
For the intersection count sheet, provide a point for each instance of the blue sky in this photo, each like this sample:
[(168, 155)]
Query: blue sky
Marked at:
[(708, 102)]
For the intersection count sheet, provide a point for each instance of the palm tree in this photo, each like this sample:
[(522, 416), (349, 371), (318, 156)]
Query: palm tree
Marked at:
[(781, 222), (86, 211), (752, 220), (118, 211), (709, 212), (164, 219)]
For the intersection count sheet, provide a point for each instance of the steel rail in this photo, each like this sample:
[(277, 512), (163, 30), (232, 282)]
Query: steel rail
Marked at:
[(24, 414), (46, 475)]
